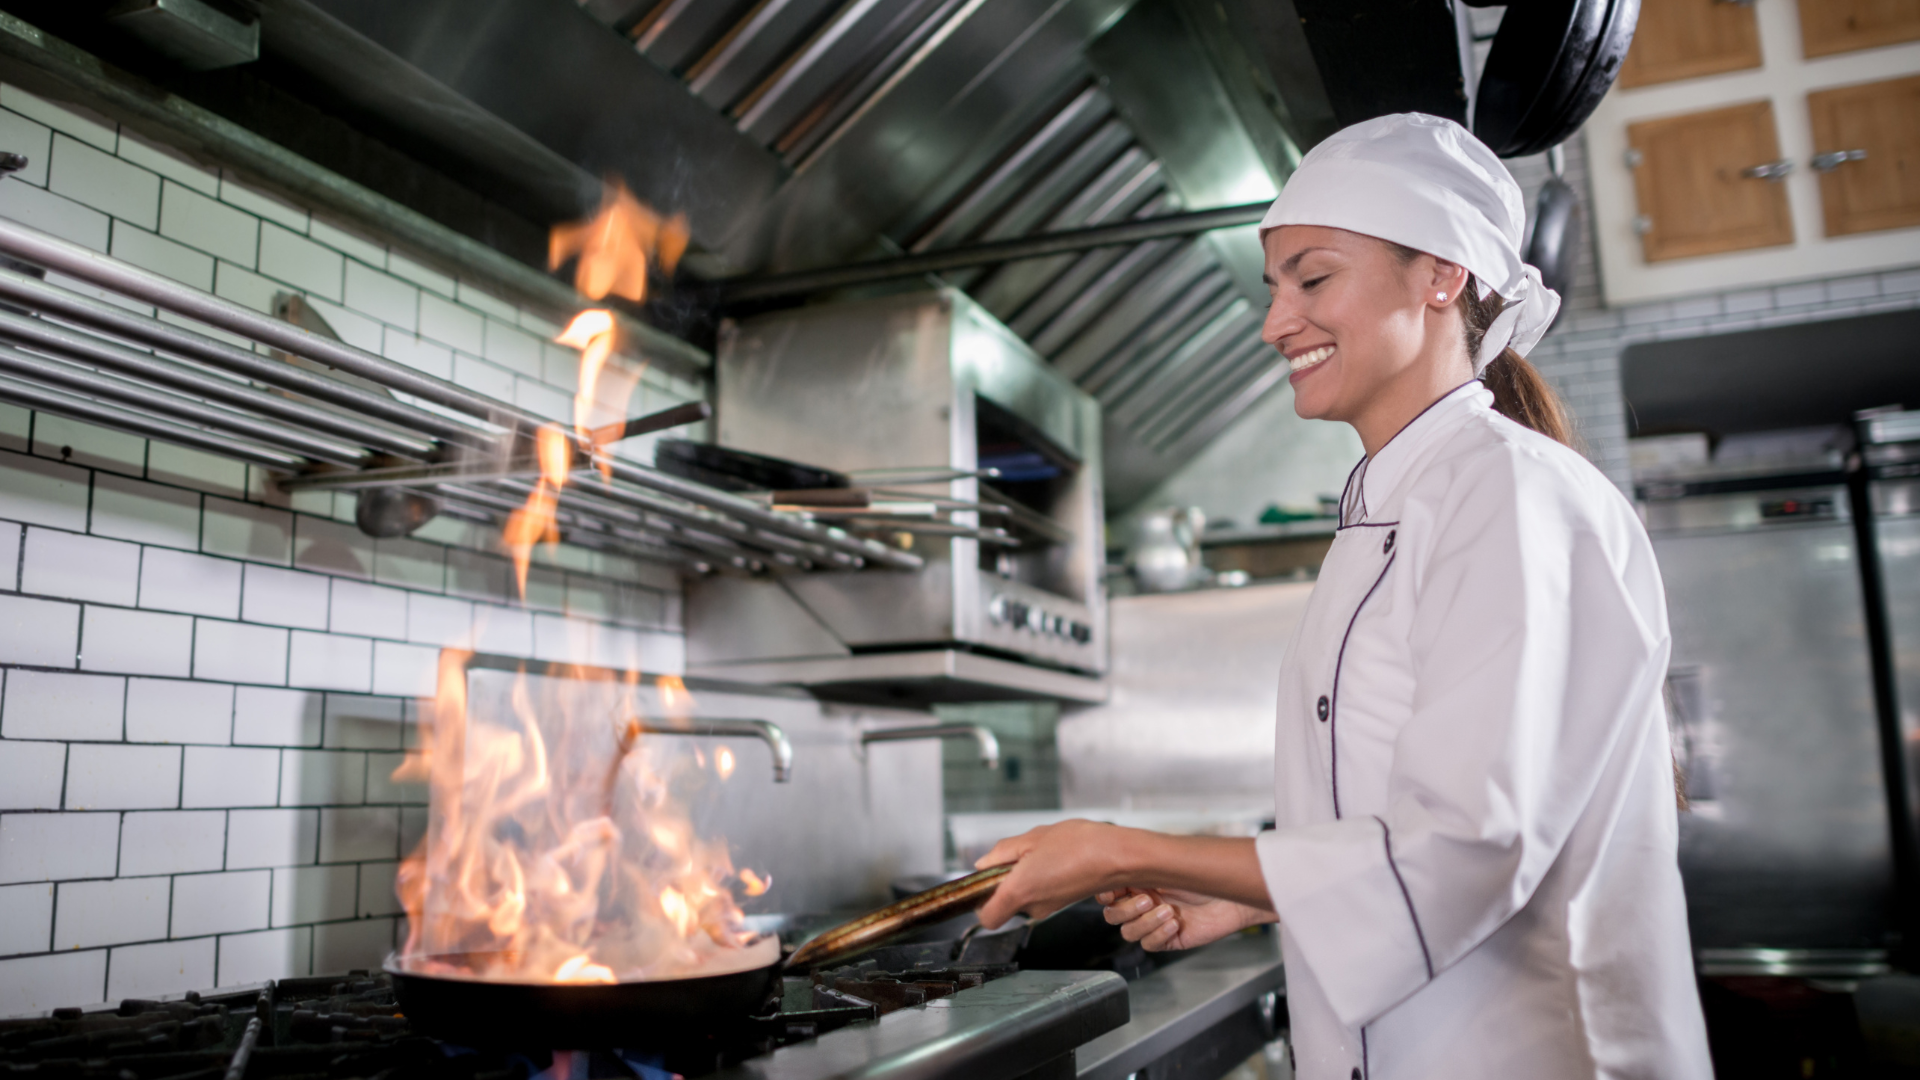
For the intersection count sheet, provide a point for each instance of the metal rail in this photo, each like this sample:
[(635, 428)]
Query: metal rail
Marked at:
[(47, 399), (47, 65), (100, 316), (736, 290), (282, 410), (87, 349)]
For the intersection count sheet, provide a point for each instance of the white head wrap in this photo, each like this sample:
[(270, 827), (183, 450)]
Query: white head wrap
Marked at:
[(1426, 183)]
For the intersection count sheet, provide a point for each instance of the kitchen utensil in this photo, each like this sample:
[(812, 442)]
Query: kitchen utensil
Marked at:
[(691, 413), (1554, 244), (737, 470), (938, 903), (1165, 554), (475, 1012), (388, 512)]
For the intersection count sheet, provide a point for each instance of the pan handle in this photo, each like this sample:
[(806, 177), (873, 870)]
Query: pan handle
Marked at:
[(932, 906)]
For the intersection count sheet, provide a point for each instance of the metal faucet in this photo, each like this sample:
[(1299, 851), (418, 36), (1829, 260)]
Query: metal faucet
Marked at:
[(764, 730), (989, 746)]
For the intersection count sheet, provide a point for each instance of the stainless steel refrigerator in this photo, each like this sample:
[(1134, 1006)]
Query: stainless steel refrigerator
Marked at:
[(1891, 458), (1785, 847)]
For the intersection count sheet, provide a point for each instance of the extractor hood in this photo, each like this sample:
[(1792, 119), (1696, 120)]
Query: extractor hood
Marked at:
[(799, 134)]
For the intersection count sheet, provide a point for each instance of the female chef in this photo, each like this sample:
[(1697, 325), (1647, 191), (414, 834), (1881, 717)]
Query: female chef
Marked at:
[(1474, 861)]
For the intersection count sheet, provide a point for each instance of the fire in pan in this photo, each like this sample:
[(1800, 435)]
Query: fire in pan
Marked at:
[(480, 1012)]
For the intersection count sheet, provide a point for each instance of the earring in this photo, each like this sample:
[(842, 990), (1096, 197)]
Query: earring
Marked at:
[(1442, 297)]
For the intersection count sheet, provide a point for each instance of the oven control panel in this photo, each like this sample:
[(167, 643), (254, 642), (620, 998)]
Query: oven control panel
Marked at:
[(1020, 615)]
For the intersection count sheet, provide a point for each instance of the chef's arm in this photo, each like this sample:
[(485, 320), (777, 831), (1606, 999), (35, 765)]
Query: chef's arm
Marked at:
[(1057, 865), (1536, 681), (1219, 866)]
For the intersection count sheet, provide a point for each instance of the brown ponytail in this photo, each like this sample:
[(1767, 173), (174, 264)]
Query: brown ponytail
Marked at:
[(1520, 392)]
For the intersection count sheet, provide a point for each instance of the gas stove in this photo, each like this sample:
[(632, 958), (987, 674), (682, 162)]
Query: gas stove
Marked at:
[(348, 1026), (991, 1002)]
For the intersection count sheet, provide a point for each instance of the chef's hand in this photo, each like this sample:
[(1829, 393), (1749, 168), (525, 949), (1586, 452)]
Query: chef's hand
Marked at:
[(1054, 865), (1166, 919)]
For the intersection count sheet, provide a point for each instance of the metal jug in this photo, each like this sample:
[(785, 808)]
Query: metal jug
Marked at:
[(1165, 553)]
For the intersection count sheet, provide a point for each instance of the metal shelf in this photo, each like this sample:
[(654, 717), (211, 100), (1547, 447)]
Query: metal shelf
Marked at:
[(74, 355)]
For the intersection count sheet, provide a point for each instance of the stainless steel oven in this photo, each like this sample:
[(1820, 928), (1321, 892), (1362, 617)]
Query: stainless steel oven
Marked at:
[(923, 399)]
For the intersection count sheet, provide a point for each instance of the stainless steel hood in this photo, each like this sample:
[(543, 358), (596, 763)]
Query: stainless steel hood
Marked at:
[(798, 134), (533, 98), (803, 133)]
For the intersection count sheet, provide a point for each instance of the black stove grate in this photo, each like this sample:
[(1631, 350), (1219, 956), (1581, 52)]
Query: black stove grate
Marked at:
[(349, 1028)]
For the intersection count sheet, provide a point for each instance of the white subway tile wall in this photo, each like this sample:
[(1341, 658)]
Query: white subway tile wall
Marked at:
[(205, 686)]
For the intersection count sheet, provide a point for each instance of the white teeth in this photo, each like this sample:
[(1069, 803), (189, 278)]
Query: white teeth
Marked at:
[(1307, 359)]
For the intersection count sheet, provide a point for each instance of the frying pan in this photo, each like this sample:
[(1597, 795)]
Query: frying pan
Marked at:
[(1551, 247), (1551, 63), (576, 1016)]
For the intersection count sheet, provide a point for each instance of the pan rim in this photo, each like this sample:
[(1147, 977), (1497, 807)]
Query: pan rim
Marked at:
[(395, 965)]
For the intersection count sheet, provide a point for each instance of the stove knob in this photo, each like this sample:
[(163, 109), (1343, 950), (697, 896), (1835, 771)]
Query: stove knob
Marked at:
[(997, 610), (1081, 632), (1016, 615), (1036, 620)]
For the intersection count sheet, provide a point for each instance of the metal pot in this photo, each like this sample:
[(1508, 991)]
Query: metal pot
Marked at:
[(1165, 553)]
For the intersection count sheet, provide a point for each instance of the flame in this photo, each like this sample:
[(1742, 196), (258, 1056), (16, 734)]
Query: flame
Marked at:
[(582, 969), (536, 521), (604, 386), (674, 906), (723, 762), (674, 698), (612, 250), (593, 333), (556, 851), (615, 244), (554, 455)]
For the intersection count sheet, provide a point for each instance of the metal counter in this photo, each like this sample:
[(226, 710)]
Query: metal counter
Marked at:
[(1008, 1028), (1228, 991)]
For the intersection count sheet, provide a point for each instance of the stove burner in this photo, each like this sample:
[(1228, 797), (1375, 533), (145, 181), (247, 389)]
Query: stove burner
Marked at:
[(868, 982), (348, 1027)]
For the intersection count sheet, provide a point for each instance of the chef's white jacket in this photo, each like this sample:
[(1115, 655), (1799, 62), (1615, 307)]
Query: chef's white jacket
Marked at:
[(1474, 862)]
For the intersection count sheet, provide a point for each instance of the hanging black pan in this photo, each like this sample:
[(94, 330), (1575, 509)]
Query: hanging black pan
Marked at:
[(585, 1016), (1551, 63)]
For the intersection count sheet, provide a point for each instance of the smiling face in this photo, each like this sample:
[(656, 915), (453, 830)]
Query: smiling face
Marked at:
[(1369, 340)]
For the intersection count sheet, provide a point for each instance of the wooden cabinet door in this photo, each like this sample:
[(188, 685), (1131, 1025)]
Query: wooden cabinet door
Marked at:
[(1684, 39), (1837, 26), (1689, 174), (1881, 190)]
